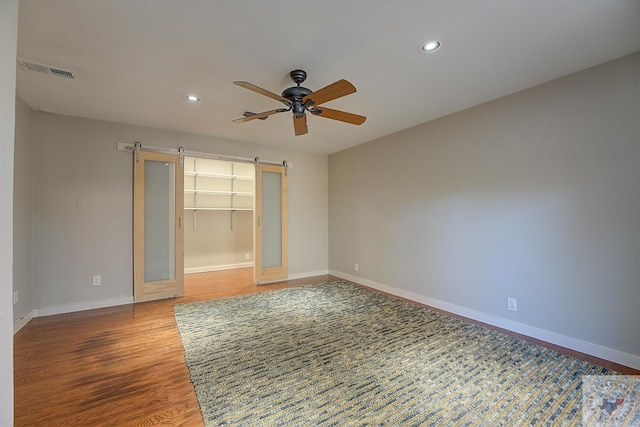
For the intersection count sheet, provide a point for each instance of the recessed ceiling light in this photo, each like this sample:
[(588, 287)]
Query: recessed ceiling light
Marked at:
[(193, 98), (430, 46)]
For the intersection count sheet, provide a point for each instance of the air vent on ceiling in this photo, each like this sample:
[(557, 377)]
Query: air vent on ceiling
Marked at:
[(46, 69)]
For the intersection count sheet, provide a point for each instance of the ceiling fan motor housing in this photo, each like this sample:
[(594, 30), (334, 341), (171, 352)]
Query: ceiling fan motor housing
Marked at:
[(295, 95), (296, 92)]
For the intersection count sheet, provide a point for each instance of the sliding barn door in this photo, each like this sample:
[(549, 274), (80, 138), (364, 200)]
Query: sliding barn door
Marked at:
[(270, 224), (158, 265)]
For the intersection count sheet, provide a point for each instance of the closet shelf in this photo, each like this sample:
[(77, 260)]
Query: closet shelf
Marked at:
[(224, 187), (219, 192), (218, 175), (218, 209)]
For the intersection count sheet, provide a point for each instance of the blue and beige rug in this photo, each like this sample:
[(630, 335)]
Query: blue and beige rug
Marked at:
[(338, 354)]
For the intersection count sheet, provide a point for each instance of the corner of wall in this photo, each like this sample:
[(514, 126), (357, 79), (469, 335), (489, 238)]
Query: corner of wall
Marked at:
[(22, 211)]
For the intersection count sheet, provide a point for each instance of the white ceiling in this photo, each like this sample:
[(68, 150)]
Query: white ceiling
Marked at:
[(137, 59)]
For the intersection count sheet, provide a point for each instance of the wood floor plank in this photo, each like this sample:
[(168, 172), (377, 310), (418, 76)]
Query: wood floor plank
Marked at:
[(120, 365), (125, 365)]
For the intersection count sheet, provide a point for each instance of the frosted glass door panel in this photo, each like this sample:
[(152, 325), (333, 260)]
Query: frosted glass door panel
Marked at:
[(271, 220), (159, 221), (158, 237)]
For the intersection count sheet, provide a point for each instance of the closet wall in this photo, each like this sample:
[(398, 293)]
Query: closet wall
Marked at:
[(218, 217)]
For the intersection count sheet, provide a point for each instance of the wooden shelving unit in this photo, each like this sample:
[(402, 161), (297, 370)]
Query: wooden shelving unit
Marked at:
[(216, 185)]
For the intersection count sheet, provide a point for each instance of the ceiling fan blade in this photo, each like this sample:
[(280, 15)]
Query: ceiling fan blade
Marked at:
[(342, 116), (260, 115), (300, 125), (261, 91), (331, 92)]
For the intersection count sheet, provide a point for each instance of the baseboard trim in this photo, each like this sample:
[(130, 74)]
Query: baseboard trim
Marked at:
[(217, 267), (81, 306), (596, 350), (307, 274), (22, 322)]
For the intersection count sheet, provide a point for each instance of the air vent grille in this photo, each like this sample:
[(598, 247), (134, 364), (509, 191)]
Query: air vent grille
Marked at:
[(46, 69)]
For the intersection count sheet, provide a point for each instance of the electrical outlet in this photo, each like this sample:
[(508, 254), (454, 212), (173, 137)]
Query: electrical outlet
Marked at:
[(15, 297), (356, 267), (97, 280), (512, 304), (247, 256)]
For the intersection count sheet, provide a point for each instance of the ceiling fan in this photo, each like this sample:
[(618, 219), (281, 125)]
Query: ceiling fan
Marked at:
[(299, 100)]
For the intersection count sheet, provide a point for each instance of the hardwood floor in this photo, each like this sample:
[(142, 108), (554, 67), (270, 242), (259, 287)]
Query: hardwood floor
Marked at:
[(124, 366), (117, 366)]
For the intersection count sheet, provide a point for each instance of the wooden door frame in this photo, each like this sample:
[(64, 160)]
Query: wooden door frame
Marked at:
[(271, 274), (147, 291)]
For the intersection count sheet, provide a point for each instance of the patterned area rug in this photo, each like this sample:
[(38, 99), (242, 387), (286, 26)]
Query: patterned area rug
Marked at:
[(340, 354)]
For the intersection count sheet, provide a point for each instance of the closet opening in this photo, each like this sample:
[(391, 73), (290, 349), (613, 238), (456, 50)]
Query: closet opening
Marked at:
[(200, 213), (218, 215)]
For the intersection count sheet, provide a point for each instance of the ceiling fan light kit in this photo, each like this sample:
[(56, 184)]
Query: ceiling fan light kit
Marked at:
[(299, 99)]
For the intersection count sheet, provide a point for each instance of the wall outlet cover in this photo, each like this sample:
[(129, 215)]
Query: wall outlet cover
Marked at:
[(512, 304)]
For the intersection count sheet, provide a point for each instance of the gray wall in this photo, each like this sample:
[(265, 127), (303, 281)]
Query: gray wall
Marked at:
[(8, 43), (22, 209), (214, 244), (534, 196), (77, 159)]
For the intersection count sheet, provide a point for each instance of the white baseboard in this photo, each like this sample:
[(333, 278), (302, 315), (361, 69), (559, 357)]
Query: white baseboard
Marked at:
[(592, 349), (307, 274), (70, 308), (21, 323), (81, 306), (217, 267), (298, 276)]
